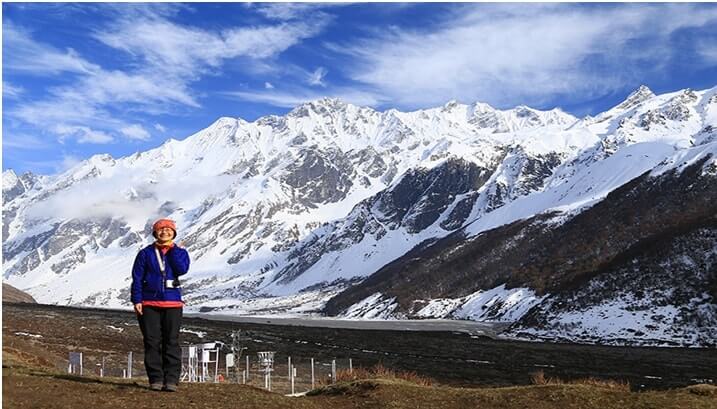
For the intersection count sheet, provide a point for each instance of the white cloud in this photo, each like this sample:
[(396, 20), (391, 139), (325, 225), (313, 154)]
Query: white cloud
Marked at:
[(10, 90), (135, 131), (503, 54), (32, 57), (188, 52), (23, 141), (110, 196), (160, 128), (317, 77), (708, 51), (167, 58), (68, 162), (82, 134), (268, 85), (291, 11)]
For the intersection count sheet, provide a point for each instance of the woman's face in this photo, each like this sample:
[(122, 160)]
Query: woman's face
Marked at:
[(165, 234)]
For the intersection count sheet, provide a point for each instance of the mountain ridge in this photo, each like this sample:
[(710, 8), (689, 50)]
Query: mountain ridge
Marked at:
[(303, 206)]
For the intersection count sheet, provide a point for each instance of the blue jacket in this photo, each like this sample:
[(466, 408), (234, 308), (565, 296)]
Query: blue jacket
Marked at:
[(148, 284)]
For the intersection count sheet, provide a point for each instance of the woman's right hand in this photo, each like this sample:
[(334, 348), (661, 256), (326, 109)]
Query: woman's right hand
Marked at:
[(138, 308)]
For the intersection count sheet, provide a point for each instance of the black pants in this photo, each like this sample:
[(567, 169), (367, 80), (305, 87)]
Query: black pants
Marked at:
[(162, 354)]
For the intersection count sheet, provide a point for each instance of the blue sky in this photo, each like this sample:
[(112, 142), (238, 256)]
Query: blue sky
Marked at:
[(81, 79)]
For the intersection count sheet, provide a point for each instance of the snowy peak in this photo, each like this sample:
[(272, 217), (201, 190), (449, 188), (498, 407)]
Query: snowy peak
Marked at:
[(9, 179), (640, 95), (320, 106), (14, 186)]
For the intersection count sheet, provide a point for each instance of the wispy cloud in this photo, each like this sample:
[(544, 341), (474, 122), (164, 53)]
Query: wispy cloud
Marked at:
[(187, 52), (503, 54), (268, 85), (160, 128), (23, 141), (707, 48), (21, 53), (82, 134), (317, 77), (165, 60), (291, 11), (11, 91), (135, 131)]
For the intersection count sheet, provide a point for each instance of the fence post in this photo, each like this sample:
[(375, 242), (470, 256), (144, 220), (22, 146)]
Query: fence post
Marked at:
[(333, 371), (247, 367), (351, 366), (289, 367), (293, 376), (129, 364), (312, 373)]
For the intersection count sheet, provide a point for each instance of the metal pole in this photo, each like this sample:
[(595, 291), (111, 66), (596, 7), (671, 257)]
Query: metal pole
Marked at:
[(312, 373), (247, 366), (351, 366), (289, 367), (81, 364), (243, 377)]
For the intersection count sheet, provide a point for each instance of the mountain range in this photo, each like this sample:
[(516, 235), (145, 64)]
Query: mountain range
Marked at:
[(600, 229)]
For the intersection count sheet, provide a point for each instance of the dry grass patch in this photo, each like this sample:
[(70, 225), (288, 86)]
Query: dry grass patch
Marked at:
[(703, 389), (539, 378), (381, 372)]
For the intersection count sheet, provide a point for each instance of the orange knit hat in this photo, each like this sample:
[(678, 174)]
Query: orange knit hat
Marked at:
[(162, 223)]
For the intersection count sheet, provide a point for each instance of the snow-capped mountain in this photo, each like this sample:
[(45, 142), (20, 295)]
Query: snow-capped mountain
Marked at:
[(286, 212)]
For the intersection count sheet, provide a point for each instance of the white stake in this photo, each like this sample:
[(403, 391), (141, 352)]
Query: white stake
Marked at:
[(333, 371), (293, 375), (312, 373)]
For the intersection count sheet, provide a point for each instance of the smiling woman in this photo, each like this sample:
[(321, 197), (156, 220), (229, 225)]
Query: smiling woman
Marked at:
[(157, 299)]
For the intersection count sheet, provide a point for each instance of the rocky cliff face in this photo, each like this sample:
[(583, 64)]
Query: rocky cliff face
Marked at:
[(649, 245)]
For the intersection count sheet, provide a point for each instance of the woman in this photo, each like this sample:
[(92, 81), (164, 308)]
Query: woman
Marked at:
[(157, 300)]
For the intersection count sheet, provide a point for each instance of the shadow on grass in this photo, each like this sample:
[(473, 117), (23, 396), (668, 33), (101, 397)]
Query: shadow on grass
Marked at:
[(84, 379)]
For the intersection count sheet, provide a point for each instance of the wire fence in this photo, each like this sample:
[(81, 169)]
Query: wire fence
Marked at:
[(288, 374)]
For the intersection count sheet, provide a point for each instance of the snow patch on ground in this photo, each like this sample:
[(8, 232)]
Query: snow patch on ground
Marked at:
[(376, 306), (498, 304), (26, 334), (199, 334), (439, 308)]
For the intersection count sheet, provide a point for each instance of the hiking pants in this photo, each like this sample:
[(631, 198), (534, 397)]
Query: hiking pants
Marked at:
[(162, 354)]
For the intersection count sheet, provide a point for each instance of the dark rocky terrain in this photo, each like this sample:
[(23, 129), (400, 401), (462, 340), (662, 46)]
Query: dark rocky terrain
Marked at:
[(449, 358)]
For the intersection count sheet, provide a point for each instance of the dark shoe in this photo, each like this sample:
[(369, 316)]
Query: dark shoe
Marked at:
[(170, 387), (156, 386)]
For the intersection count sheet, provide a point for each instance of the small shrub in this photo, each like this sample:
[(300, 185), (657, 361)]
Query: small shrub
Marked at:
[(703, 389)]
